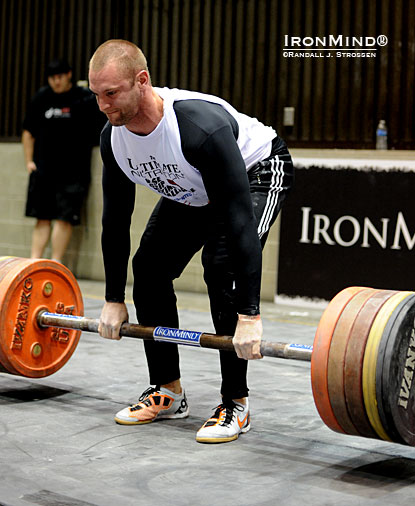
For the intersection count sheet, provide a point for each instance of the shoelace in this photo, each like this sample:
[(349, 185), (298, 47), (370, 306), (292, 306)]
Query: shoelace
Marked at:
[(147, 393), (229, 408), (143, 398)]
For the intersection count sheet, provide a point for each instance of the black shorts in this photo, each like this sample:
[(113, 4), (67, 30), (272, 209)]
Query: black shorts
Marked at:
[(50, 199)]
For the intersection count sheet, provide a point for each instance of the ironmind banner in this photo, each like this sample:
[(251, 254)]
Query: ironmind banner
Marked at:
[(343, 226)]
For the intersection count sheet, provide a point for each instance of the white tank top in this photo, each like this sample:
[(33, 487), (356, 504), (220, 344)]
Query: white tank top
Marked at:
[(156, 160)]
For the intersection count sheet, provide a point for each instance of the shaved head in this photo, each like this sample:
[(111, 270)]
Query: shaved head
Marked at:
[(127, 56)]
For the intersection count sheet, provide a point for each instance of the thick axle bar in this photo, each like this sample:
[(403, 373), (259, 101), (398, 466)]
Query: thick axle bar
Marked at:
[(178, 336)]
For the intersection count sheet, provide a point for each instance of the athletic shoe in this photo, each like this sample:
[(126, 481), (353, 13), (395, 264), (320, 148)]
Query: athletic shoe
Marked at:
[(154, 404), (229, 420)]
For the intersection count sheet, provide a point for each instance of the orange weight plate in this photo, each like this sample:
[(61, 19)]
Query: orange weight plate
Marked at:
[(320, 355), (26, 287), (353, 365), (335, 370)]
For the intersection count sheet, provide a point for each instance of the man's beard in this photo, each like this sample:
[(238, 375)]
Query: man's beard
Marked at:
[(122, 119)]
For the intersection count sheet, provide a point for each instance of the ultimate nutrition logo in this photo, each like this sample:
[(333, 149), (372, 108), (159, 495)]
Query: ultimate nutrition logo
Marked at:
[(162, 178), (333, 46)]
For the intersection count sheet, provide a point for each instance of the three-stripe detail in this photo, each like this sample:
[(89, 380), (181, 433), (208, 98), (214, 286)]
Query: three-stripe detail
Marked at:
[(277, 171)]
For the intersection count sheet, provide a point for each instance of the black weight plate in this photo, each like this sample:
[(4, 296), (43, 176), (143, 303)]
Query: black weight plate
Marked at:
[(395, 382), (395, 319)]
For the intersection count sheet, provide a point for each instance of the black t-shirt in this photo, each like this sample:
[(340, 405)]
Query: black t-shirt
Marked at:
[(65, 127)]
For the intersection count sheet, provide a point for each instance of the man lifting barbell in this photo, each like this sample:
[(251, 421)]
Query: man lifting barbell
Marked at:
[(222, 177), (362, 358)]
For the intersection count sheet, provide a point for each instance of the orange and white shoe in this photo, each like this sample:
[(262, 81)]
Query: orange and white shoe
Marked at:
[(229, 420), (154, 404)]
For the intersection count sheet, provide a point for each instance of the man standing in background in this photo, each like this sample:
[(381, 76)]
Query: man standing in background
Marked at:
[(61, 126)]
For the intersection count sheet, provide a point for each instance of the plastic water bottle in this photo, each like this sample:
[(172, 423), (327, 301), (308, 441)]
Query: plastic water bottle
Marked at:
[(382, 135)]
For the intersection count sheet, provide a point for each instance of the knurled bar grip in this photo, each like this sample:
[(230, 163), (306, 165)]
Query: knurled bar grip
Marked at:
[(178, 336)]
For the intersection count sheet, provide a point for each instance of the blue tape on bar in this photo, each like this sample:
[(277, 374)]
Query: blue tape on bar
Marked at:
[(300, 347), (178, 336), (70, 316)]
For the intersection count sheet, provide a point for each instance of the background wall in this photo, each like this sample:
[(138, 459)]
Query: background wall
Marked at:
[(231, 48), (235, 49), (349, 222)]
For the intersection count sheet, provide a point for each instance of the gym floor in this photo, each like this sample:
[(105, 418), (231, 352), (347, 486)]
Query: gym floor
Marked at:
[(59, 444)]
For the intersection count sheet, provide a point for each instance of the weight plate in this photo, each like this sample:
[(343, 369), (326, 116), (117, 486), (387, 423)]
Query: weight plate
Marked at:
[(395, 391), (370, 360), (353, 364), (6, 264), (336, 363), (26, 287), (319, 357)]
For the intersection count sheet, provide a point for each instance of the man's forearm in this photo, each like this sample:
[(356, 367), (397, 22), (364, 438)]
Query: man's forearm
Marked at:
[(28, 142)]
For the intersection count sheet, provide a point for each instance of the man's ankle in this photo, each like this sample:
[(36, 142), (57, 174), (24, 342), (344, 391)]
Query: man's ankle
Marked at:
[(173, 386), (242, 400)]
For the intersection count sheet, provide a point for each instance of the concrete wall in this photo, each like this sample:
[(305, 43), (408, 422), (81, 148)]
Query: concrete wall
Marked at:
[(84, 252)]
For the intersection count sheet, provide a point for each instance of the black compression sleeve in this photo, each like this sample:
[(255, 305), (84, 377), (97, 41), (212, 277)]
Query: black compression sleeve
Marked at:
[(226, 181), (118, 205), (208, 135)]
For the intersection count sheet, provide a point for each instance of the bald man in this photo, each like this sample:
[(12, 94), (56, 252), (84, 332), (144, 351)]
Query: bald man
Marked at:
[(222, 178)]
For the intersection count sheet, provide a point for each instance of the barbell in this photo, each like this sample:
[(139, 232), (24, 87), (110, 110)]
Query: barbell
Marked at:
[(362, 358)]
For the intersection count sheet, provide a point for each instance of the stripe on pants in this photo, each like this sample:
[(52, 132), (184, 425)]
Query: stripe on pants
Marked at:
[(277, 170)]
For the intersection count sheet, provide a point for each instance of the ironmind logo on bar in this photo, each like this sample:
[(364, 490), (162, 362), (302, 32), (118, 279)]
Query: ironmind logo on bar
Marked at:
[(319, 228)]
